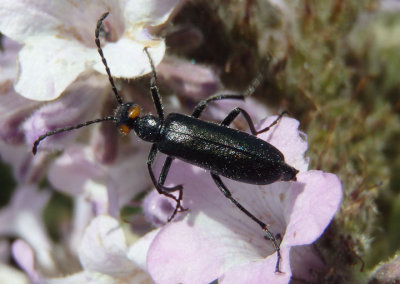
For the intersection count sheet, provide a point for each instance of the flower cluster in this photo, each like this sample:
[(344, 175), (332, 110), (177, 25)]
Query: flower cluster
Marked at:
[(51, 77)]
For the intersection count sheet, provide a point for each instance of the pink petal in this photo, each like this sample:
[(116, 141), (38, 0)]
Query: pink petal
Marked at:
[(157, 208), (306, 263), (23, 255), (185, 78), (315, 198), (262, 271), (80, 103), (214, 235), (73, 169), (186, 246), (288, 139), (14, 109), (26, 168), (76, 169), (23, 218)]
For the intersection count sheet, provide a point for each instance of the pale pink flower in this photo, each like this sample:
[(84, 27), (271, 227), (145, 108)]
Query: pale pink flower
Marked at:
[(186, 78), (14, 109), (214, 240), (103, 254), (58, 40), (98, 188), (390, 5), (22, 218)]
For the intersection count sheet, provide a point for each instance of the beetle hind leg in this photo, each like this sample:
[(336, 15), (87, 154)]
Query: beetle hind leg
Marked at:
[(221, 186), (274, 122)]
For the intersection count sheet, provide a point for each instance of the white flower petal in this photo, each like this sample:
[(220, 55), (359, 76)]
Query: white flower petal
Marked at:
[(148, 12), (10, 274), (138, 251), (103, 248), (83, 277), (83, 214), (126, 58), (50, 65), (22, 218), (59, 45), (19, 19), (68, 19)]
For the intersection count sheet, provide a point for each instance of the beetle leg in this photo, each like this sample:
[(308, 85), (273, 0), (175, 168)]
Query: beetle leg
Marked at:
[(161, 189), (165, 170), (235, 112), (161, 181), (274, 122), (250, 90), (268, 236), (202, 104)]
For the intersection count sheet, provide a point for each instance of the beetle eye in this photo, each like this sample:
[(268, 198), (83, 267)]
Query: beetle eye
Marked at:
[(124, 129), (133, 111)]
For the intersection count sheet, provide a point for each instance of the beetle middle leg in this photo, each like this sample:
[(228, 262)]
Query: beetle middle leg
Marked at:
[(159, 185), (264, 227), (250, 90), (203, 104), (235, 112)]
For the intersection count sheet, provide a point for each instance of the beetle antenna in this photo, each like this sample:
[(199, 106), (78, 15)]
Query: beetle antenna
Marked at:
[(68, 128), (260, 78), (153, 69), (100, 50)]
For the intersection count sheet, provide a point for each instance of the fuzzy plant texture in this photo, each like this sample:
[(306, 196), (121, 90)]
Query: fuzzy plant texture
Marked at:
[(84, 209)]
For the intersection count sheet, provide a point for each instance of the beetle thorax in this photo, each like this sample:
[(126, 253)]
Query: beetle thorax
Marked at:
[(148, 128)]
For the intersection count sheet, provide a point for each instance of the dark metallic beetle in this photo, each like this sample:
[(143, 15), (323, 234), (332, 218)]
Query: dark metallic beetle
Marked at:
[(215, 147)]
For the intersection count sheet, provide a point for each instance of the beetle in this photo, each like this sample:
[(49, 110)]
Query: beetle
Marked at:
[(221, 150)]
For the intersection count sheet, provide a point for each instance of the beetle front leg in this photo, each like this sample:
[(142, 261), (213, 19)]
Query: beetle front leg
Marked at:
[(268, 236), (155, 94), (161, 189), (161, 181)]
